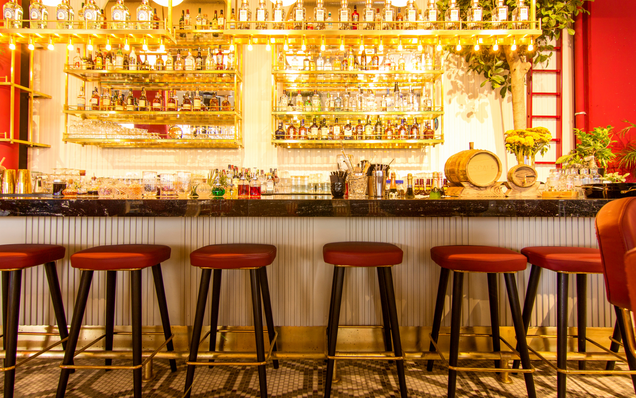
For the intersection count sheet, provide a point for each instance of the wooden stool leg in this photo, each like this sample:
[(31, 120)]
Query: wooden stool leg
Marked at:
[(56, 299), (439, 310), (631, 361), (616, 336), (11, 336), (157, 276), (456, 317), (111, 289), (135, 287), (581, 314), (493, 300), (386, 319), (334, 317), (515, 309), (562, 331), (76, 324), (258, 331), (214, 317), (196, 329), (267, 306), (395, 329), (528, 303)]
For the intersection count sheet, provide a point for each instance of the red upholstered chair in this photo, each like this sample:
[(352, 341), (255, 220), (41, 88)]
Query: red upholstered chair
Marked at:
[(252, 257), (113, 258), (364, 254), (616, 233), (492, 261), (14, 259)]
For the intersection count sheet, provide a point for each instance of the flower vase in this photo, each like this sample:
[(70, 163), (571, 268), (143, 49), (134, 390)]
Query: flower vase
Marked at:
[(520, 158), (532, 160)]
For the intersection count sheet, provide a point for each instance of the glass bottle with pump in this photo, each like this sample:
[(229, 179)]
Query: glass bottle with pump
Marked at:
[(411, 15), (452, 16), (65, 15), (500, 15), (245, 15), (145, 15), (521, 15), (262, 15), (475, 14), (389, 15), (299, 14), (320, 15), (38, 14), (343, 15), (279, 14)]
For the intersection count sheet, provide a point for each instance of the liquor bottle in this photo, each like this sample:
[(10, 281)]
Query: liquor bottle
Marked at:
[(245, 15), (402, 134), (279, 15), (231, 22), (159, 64), (306, 63), (187, 20), (320, 15), (399, 19), (432, 15), (38, 14), (337, 63), (157, 104), (369, 16), (65, 15), (95, 100), (347, 131), (401, 62), (355, 18), (292, 134), (77, 59), (120, 104), (324, 130), (80, 17), (351, 60), (279, 134), (299, 15), (436, 192), (12, 14), (420, 19), (282, 103), (410, 194), (500, 16), (327, 66), (132, 60), (198, 21), (372, 105), (316, 103), (143, 101), (210, 62), (178, 63), (198, 61), (118, 15), (186, 105), (378, 129), (375, 61), (521, 15), (189, 62), (388, 16), (145, 15), (182, 22), (359, 134), (155, 19), (411, 15), (130, 102), (329, 24), (343, 15), (337, 103), (172, 102), (221, 20), (320, 62), (452, 15), (298, 105), (255, 187), (314, 130), (126, 62), (169, 62), (262, 15), (369, 131), (302, 130), (335, 130), (119, 59), (415, 130), (105, 100), (396, 98), (220, 59), (92, 15), (388, 132), (243, 187), (475, 13), (393, 192), (196, 101), (81, 98)]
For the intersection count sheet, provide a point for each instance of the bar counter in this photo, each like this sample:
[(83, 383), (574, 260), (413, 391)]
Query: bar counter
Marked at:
[(298, 206)]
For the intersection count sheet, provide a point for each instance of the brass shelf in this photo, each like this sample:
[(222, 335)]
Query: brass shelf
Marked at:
[(425, 115), (221, 79), (164, 117), (380, 144), (36, 94), (156, 143), (355, 77), (98, 36), (23, 142)]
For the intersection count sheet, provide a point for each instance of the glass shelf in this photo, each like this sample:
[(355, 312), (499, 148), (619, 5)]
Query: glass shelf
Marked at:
[(386, 78), (386, 144), (156, 143), (221, 79), (153, 117), (97, 36), (425, 115)]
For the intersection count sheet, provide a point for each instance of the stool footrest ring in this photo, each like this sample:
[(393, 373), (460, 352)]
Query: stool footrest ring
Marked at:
[(371, 356), (37, 354), (231, 355)]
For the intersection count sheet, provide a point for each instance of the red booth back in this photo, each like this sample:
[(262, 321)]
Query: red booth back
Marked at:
[(616, 233)]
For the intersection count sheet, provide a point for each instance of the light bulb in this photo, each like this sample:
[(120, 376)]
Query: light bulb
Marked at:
[(232, 44), (322, 45), (530, 46), (495, 47), (477, 47), (12, 45), (419, 46), (268, 47), (439, 47), (459, 47), (126, 46), (31, 46), (145, 46), (162, 48), (400, 48), (70, 46), (89, 47), (286, 45), (303, 47), (381, 47), (361, 47), (249, 45), (50, 46), (342, 47), (514, 46), (108, 47)]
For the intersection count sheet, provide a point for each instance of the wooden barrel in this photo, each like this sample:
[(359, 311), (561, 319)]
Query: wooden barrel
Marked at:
[(478, 167), (522, 175)]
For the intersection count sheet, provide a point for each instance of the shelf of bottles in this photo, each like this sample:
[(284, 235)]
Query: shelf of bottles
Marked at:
[(371, 97), (196, 92)]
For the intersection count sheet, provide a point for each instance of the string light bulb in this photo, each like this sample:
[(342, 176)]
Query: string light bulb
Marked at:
[(268, 47), (232, 44), (70, 46), (108, 47), (400, 48), (50, 46), (12, 44), (495, 46), (286, 45), (459, 46), (419, 45), (322, 44), (476, 47), (514, 45), (89, 47), (126, 46), (145, 45), (342, 47), (439, 44), (381, 46), (530, 46), (303, 46), (249, 44), (162, 47), (361, 47), (31, 46)]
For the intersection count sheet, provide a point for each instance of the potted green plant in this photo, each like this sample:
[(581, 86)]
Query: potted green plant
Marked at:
[(592, 149)]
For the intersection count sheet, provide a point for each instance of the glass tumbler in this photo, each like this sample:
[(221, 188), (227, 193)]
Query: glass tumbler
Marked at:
[(168, 183), (149, 182)]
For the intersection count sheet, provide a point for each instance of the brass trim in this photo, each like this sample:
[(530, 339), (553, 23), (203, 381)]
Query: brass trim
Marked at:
[(37, 354), (237, 355), (363, 266)]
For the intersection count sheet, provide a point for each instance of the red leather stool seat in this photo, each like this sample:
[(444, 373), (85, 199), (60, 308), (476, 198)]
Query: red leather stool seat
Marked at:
[(120, 257), (28, 255), (233, 256), (362, 254), (565, 259), (489, 259)]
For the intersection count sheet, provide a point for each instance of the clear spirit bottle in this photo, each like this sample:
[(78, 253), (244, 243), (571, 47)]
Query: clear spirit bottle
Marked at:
[(210, 62), (245, 15), (324, 130), (300, 13), (169, 62), (388, 16), (475, 14), (118, 15), (320, 15), (316, 103), (521, 15), (328, 66), (119, 59), (411, 15), (337, 103), (221, 20), (262, 15), (12, 13), (81, 98), (299, 103), (452, 15), (282, 103), (132, 62), (38, 14), (320, 62), (369, 16), (279, 15), (198, 21), (432, 15), (65, 15), (145, 15), (500, 15), (231, 22), (198, 61), (343, 15), (189, 62), (335, 131)]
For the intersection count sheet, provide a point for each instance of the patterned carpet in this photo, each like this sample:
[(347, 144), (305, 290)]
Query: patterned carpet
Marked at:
[(305, 378)]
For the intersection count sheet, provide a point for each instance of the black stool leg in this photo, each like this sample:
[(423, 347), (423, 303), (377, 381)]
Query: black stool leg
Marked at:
[(456, 313), (395, 329), (56, 299), (267, 306), (196, 329), (388, 345), (562, 331), (581, 314), (494, 314), (11, 336), (163, 310), (631, 361), (135, 287), (616, 336), (76, 324), (439, 310), (258, 331), (214, 318), (336, 296), (332, 300), (111, 287), (515, 309), (5, 307), (528, 304)]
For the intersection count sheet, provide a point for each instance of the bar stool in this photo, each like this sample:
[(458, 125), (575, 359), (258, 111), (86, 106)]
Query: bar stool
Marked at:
[(564, 261), (382, 256), (492, 261), (113, 258), (14, 259), (252, 257)]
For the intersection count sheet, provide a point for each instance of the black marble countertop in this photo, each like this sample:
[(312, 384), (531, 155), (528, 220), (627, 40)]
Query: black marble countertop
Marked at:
[(297, 206)]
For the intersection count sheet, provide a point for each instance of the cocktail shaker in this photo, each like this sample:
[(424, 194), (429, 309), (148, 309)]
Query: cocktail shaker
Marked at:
[(23, 183), (377, 185), (8, 181)]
